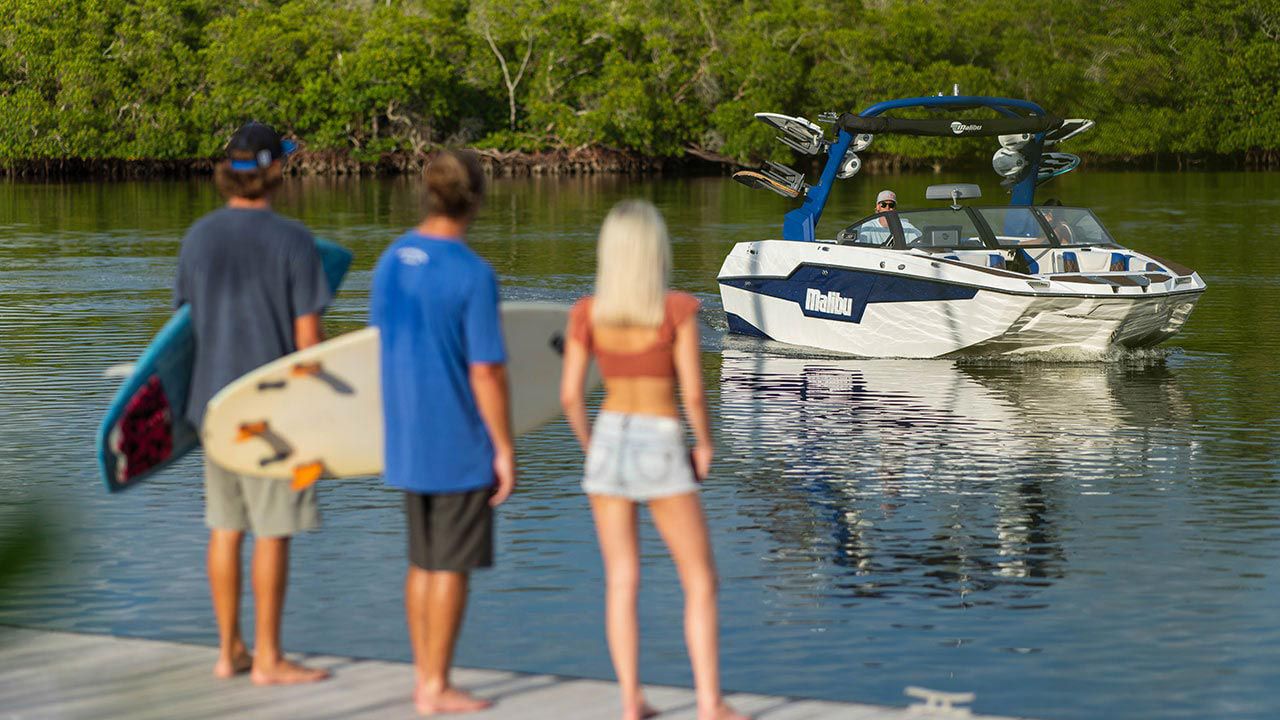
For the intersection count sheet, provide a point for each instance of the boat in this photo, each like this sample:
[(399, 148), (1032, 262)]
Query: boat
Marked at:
[(954, 279)]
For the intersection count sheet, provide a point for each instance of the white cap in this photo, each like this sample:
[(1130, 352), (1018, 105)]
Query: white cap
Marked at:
[(886, 195)]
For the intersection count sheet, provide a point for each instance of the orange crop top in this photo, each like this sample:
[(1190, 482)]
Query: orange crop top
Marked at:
[(658, 360)]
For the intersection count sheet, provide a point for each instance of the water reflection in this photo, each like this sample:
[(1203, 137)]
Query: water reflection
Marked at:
[(934, 477)]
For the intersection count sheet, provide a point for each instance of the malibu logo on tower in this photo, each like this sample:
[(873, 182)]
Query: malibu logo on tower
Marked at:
[(830, 303)]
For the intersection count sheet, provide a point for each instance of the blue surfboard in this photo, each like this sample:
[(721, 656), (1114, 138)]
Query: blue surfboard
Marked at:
[(145, 429)]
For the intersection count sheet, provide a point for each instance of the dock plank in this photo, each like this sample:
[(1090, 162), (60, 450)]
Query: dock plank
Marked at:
[(50, 675)]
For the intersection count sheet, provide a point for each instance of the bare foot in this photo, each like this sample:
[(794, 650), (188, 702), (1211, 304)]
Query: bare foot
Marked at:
[(449, 700), (227, 667), (643, 712), (283, 672), (723, 712)]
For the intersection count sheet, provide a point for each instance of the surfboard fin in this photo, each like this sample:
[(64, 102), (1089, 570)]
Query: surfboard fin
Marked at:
[(250, 430), (306, 369), (306, 475)]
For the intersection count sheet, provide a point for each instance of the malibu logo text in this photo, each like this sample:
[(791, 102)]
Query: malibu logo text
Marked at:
[(830, 303)]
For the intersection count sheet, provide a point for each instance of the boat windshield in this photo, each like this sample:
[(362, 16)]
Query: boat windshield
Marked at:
[(945, 228), (960, 229), (1074, 226), (1014, 226)]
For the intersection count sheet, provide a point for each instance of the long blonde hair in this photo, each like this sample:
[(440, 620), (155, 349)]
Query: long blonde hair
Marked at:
[(633, 266)]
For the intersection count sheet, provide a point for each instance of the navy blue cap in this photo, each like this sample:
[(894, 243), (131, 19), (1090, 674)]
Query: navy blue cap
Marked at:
[(255, 146)]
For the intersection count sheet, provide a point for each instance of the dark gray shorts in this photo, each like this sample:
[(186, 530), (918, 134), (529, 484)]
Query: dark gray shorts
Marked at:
[(452, 531)]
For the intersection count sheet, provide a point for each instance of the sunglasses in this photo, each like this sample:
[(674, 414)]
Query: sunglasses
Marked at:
[(887, 203)]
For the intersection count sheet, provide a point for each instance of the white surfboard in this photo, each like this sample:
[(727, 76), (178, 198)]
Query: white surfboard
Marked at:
[(318, 412), (798, 133)]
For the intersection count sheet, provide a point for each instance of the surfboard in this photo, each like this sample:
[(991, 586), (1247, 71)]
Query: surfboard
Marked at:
[(757, 180), (145, 429), (798, 133), (1053, 164), (1067, 130), (318, 412)]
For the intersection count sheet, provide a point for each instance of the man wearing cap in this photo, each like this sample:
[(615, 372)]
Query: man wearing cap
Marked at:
[(876, 231), (256, 287)]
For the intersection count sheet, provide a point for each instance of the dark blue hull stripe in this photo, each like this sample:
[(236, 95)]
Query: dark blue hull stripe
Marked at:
[(841, 294), (741, 327)]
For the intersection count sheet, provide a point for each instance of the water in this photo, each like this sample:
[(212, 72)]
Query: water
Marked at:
[(1065, 540)]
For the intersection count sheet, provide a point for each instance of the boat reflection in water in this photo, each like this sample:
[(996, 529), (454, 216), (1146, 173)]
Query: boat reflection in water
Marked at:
[(961, 482)]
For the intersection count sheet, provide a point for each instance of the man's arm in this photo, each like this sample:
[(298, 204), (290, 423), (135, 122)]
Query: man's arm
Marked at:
[(489, 385), (573, 375), (307, 331)]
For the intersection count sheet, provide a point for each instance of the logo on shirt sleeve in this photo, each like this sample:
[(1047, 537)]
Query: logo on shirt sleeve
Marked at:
[(412, 256)]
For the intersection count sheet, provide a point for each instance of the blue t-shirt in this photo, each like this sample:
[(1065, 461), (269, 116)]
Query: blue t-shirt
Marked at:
[(435, 303)]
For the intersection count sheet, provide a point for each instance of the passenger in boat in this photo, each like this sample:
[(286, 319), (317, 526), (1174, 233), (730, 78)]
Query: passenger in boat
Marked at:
[(645, 341), (1052, 216), (446, 415), (877, 232)]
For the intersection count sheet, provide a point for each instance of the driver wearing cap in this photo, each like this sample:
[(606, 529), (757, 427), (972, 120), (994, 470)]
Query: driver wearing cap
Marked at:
[(876, 231)]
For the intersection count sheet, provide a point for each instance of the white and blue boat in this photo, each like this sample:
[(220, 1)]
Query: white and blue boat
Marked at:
[(954, 279)]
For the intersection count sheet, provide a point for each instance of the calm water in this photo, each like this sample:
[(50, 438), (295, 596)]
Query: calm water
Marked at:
[(1066, 540)]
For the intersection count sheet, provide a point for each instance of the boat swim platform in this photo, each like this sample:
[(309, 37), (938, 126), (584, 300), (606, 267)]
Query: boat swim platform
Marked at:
[(47, 674)]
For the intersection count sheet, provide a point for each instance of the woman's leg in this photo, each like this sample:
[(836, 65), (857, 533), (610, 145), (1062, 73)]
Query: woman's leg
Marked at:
[(619, 547), (684, 529)]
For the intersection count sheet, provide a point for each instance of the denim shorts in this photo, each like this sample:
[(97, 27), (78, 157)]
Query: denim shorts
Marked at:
[(639, 457)]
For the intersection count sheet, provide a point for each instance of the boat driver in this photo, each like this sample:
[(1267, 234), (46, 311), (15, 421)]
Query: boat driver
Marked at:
[(876, 231)]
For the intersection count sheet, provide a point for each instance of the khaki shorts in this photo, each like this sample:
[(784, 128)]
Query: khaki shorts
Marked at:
[(264, 506)]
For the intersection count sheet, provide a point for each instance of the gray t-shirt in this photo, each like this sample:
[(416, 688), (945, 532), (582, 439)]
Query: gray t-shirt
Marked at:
[(247, 274)]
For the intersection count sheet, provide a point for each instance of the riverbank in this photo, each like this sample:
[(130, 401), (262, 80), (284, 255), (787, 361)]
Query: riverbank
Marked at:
[(580, 161), (47, 674), (499, 163)]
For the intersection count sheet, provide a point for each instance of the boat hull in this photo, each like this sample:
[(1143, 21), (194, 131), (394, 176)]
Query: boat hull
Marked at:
[(878, 303)]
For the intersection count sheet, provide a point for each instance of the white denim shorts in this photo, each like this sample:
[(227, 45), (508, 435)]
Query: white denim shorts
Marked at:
[(640, 457)]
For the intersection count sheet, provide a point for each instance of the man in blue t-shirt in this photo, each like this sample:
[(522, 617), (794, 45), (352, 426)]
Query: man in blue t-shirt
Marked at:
[(445, 406)]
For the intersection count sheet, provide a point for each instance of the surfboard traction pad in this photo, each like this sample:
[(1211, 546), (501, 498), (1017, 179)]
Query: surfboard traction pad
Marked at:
[(143, 438)]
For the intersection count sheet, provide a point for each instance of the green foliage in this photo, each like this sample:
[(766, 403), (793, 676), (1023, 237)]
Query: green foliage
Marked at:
[(170, 79)]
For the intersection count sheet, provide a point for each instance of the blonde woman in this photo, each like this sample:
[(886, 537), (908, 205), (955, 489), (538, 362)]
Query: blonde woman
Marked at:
[(645, 341)]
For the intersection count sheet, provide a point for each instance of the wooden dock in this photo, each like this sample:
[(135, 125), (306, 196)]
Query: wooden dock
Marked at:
[(61, 675)]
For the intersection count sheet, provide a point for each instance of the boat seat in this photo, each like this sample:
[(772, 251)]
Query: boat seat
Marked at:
[(1120, 262), (1070, 262), (996, 260), (1152, 267), (1033, 267)]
